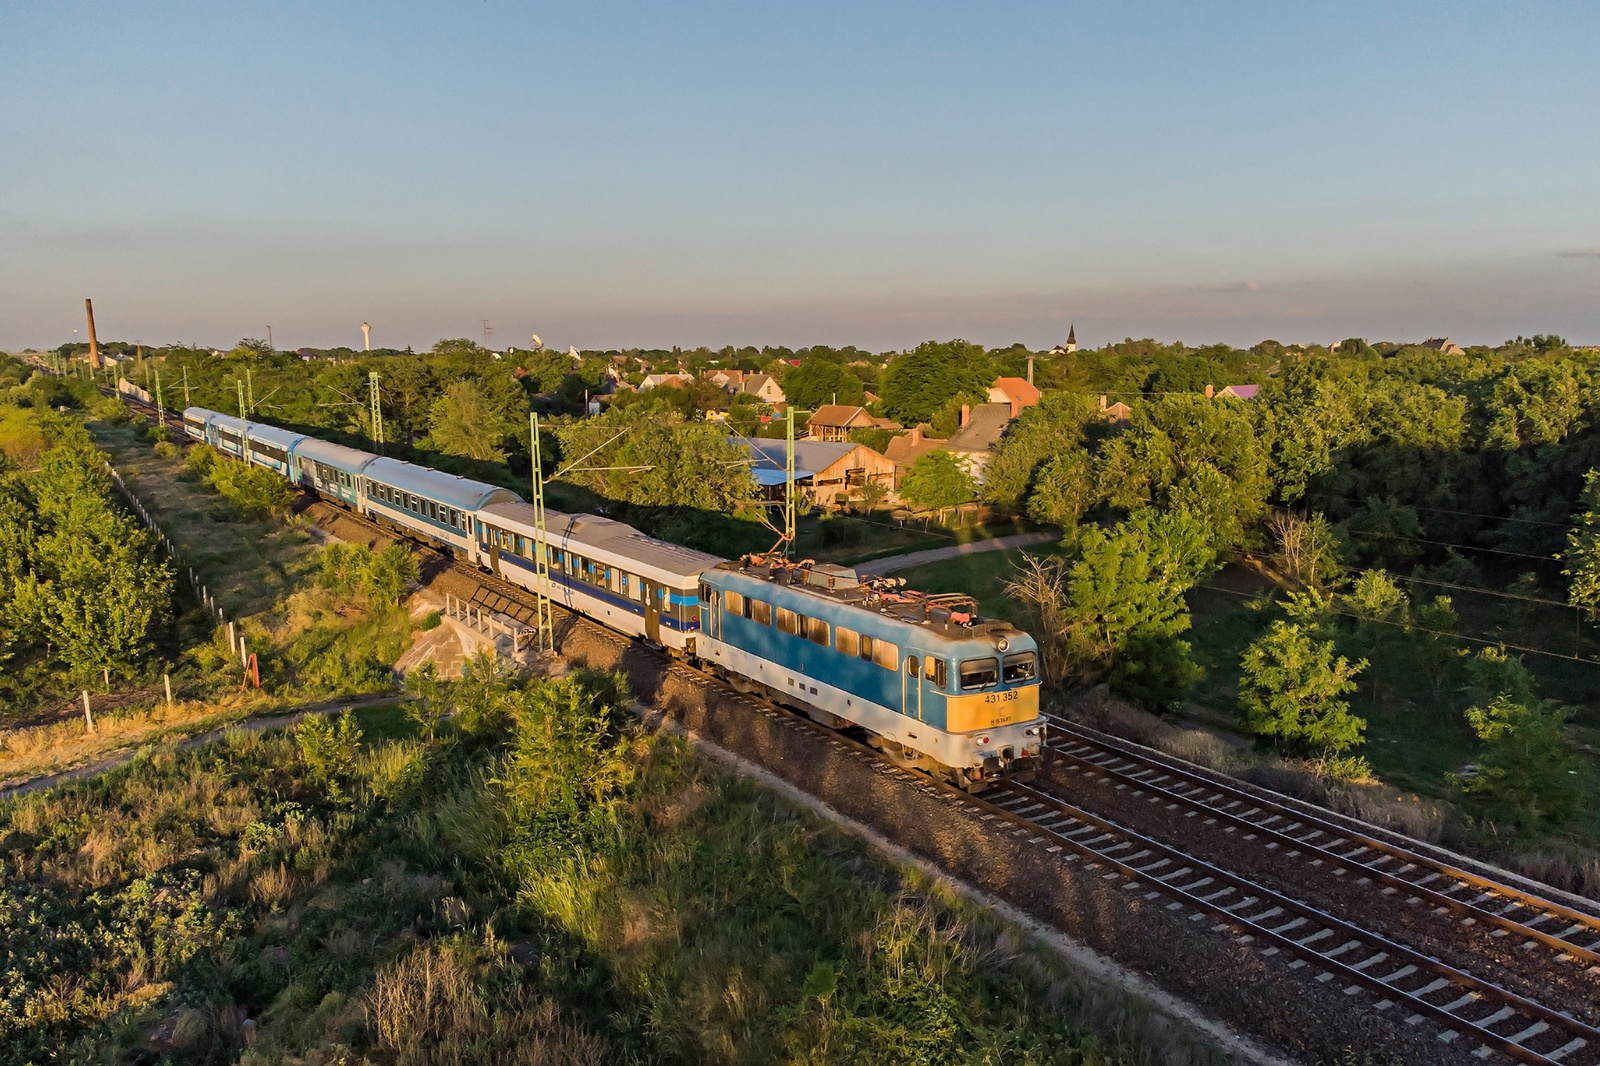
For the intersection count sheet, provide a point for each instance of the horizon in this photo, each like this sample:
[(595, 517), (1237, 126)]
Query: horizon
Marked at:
[(627, 176)]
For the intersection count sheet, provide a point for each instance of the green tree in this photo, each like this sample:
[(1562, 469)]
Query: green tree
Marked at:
[(387, 573), (1526, 775), (1117, 611), (1583, 549), (937, 481), (1380, 608), (1052, 429), (1289, 690), (464, 422), (1064, 489), (817, 381), (917, 383)]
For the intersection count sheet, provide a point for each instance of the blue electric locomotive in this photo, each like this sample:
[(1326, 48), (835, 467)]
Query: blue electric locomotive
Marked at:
[(936, 686)]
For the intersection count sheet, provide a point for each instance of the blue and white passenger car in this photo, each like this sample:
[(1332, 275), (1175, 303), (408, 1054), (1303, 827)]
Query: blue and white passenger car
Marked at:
[(601, 568), (439, 506)]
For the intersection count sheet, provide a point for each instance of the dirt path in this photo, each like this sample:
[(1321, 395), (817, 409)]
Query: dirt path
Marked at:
[(937, 555), (251, 725)]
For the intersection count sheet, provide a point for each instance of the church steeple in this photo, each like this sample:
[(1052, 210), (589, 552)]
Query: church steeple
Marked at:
[(1072, 338)]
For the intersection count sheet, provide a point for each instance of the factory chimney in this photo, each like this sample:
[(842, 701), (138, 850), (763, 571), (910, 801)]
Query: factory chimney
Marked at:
[(94, 343)]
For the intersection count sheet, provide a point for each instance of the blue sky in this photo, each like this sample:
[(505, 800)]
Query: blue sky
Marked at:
[(876, 174)]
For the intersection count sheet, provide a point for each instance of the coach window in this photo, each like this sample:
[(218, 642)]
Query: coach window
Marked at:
[(937, 671), (1020, 667), (616, 580), (761, 612), (885, 654), (847, 640), (817, 630), (980, 673)]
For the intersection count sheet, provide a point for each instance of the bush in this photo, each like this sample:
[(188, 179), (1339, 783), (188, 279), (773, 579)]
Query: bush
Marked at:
[(329, 750), (168, 450), (253, 489), (111, 410), (431, 620)]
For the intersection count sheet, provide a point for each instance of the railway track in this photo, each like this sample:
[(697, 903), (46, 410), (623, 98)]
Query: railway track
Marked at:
[(1572, 935)]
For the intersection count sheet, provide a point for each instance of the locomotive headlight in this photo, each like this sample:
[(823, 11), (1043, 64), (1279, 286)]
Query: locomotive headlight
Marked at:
[(1003, 643), (983, 740)]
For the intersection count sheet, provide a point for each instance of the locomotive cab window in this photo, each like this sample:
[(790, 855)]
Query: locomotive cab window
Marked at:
[(1020, 667), (937, 671), (885, 654), (980, 673)]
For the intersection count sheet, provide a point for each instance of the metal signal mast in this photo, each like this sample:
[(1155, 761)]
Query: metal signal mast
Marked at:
[(788, 488), (377, 411), (541, 549)]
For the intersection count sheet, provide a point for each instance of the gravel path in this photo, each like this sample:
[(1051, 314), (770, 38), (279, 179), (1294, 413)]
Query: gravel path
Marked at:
[(891, 563)]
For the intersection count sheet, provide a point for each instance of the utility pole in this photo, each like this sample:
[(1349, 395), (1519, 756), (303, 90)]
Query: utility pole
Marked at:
[(270, 345), (788, 488), (377, 411), (250, 390), (161, 411), (244, 434), (487, 332), (186, 387), (541, 549)]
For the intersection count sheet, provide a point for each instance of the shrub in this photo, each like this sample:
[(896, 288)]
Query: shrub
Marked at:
[(168, 450), (328, 749), (253, 489), (1290, 688), (111, 410), (431, 620), (388, 573)]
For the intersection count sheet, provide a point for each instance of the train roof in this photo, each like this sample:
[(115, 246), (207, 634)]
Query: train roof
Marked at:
[(283, 438), (462, 493), (952, 617), (350, 460), (587, 531), (198, 414)]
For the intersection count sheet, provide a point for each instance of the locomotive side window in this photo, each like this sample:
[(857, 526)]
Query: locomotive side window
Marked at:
[(847, 641), (937, 671), (761, 612), (980, 673), (817, 630), (788, 621), (1020, 667), (911, 666), (734, 603), (885, 654)]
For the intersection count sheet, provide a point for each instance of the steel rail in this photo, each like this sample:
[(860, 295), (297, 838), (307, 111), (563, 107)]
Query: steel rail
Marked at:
[(1300, 845), (1113, 837), (1174, 767)]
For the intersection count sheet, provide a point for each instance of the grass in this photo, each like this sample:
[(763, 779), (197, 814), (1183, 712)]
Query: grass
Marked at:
[(983, 576), (224, 904), (248, 564)]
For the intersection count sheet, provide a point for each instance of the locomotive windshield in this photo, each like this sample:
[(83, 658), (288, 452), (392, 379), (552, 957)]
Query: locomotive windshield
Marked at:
[(980, 673), (1020, 667)]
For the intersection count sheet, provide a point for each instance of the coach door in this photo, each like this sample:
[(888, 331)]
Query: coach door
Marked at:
[(652, 611)]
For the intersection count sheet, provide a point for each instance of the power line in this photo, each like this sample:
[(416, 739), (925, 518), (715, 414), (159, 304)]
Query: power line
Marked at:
[(1446, 510), (1433, 632), (1449, 544)]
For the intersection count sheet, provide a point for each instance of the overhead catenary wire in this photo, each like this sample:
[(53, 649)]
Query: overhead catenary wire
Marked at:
[(1446, 510), (1430, 632)]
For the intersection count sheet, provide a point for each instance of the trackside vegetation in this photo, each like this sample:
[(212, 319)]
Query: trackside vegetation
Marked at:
[(538, 882)]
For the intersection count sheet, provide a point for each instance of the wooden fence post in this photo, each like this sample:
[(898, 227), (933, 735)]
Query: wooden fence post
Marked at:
[(166, 679), (88, 719)]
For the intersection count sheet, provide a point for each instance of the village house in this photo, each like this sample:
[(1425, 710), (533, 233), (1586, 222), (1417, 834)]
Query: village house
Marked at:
[(762, 386), (835, 422), (1443, 344), (828, 472), (1237, 392), (1017, 393), (1117, 413), (678, 381), (981, 429), (906, 448)]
